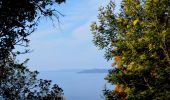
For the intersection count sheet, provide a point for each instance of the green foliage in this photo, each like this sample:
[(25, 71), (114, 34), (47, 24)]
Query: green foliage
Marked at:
[(139, 35), (18, 19)]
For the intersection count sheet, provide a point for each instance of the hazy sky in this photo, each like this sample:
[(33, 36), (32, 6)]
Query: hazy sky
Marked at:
[(69, 45)]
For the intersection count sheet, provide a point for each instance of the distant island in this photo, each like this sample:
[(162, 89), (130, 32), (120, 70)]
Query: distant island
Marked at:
[(94, 71)]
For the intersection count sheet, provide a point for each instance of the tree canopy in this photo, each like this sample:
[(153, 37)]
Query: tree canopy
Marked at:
[(19, 83), (138, 39), (18, 19)]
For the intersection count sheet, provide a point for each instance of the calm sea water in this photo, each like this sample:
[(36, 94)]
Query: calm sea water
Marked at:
[(78, 86)]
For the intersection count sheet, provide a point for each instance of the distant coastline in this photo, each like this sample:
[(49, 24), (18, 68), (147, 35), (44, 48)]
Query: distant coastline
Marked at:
[(93, 71)]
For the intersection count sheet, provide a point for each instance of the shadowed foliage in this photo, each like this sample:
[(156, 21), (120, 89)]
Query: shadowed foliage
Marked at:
[(18, 19), (19, 83)]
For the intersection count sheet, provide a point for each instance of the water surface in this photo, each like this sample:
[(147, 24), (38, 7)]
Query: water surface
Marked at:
[(77, 86)]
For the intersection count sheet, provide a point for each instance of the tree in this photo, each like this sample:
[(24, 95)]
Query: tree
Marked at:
[(138, 39), (22, 84), (18, 19)]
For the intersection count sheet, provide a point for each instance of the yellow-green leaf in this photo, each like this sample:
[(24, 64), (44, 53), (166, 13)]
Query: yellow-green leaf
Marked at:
[(135, 21)]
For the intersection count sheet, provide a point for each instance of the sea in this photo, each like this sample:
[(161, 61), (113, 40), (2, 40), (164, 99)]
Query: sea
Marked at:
[(78, 86)]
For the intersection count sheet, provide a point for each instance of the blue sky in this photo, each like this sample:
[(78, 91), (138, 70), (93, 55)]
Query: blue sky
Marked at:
[(67, 45)]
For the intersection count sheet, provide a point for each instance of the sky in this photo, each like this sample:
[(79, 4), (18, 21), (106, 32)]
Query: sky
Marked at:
[(68, 44)]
